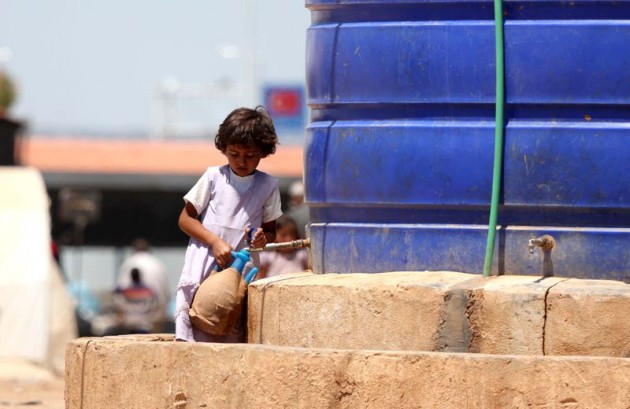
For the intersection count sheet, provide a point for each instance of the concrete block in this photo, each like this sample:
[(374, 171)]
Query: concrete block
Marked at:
[(394, 311), (156, 372), (442, 311), (588, 317), (506, 315)]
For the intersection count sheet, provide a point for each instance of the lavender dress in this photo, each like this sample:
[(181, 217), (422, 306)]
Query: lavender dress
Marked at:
[(227, 204)]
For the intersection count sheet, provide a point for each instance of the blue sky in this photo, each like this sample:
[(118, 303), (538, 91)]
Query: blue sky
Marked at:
[(95, 66)]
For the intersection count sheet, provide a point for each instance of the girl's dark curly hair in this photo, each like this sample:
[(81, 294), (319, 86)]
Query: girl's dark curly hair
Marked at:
[(248, 127), (287, 221)]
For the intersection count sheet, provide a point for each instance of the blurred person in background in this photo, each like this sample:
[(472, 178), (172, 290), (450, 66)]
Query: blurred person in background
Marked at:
[(283, 261), (298, 210), (136, 307), (153, 276)]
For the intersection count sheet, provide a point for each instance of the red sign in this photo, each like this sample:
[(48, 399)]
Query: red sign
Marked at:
[(284, 102)]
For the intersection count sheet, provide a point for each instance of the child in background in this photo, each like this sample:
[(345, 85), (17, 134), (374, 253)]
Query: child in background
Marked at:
[(284, 261), (222, 205)]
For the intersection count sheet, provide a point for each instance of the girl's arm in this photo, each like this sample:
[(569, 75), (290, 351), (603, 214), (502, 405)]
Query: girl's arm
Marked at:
[(269, 230), (264, 234), (190, 224)]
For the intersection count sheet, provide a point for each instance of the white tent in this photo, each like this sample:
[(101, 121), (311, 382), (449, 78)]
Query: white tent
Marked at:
[(36, 313)]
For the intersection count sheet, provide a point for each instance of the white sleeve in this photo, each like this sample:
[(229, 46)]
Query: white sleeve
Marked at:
[(199, 195), (273, 208)]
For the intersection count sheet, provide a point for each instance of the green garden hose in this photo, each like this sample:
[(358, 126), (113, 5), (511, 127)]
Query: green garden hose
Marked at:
[(498, 135)]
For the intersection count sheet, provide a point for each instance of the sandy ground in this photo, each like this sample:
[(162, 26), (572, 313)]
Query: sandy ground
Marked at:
[(25, 385)]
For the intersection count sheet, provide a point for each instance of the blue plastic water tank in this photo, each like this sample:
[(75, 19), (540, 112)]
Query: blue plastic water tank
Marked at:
[(399, 148)]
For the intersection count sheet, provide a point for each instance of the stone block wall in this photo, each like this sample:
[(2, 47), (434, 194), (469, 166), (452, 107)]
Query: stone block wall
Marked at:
[(442, 311), (157, 372)]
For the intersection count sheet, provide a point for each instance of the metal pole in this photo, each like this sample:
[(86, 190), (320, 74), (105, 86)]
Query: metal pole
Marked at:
[(249, 54)]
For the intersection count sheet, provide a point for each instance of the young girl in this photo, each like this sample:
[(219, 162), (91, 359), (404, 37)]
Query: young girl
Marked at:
[(223, 205), (286, 260)]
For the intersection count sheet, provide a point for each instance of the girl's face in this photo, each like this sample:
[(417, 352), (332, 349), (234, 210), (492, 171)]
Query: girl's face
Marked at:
[(243, 159), (286, 233)]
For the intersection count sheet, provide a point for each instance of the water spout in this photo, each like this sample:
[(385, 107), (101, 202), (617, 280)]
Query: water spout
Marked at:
[(546, 244)]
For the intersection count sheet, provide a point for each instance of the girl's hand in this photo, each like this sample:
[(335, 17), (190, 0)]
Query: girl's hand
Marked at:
[(258, 239), (222, 253)]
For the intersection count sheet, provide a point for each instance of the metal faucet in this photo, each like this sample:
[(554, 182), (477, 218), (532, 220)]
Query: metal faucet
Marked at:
[(546, 243), (294, 244)]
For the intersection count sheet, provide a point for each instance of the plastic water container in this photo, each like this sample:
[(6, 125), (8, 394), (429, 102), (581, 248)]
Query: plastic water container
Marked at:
[(399, 149)]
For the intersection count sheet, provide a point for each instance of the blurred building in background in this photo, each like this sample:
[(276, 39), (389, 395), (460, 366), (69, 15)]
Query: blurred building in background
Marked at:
[(106, 193)]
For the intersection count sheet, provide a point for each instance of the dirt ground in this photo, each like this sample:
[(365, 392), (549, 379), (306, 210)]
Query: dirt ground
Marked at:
[(25, 385)]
